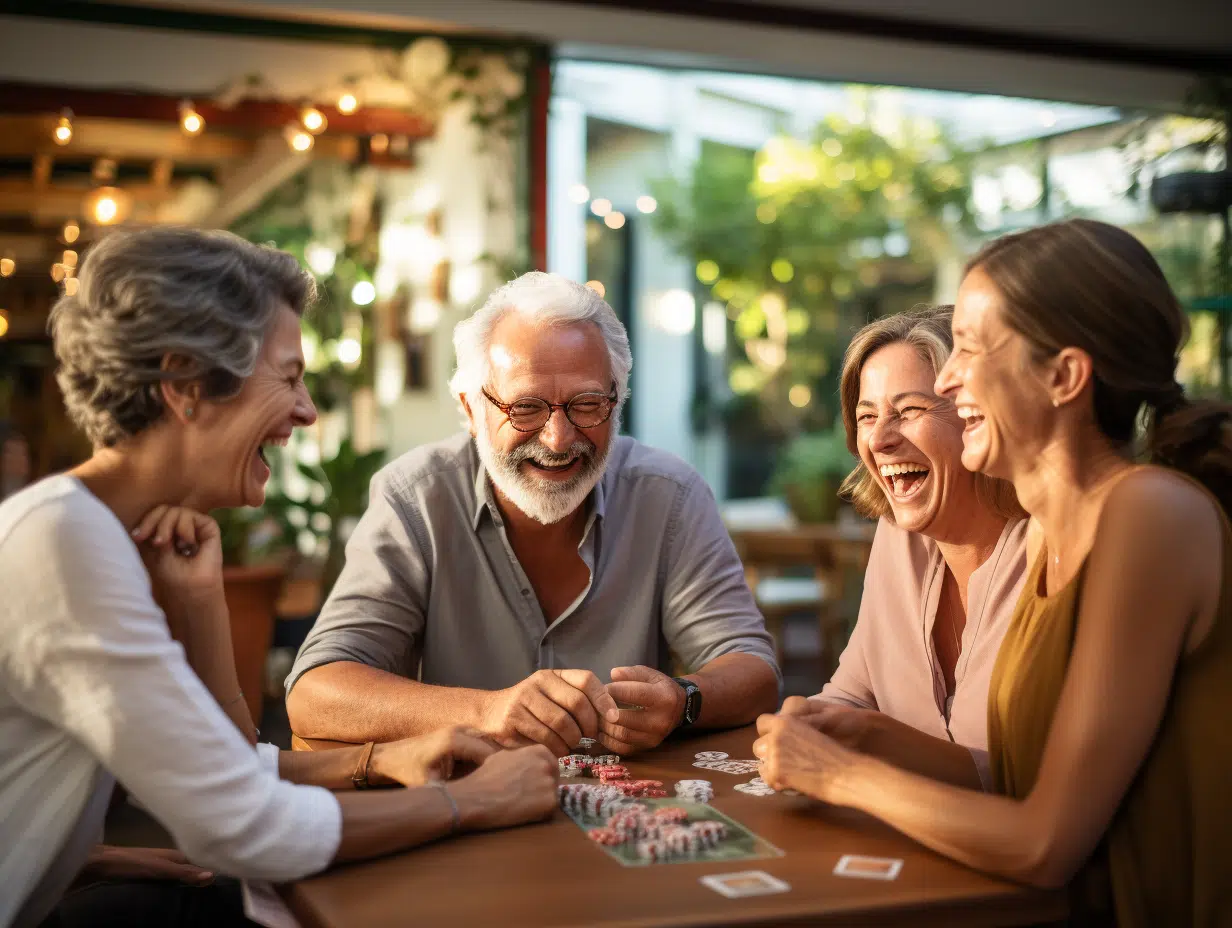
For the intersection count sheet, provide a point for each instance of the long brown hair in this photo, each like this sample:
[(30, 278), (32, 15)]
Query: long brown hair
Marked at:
[(927, 330), (1094, 286)]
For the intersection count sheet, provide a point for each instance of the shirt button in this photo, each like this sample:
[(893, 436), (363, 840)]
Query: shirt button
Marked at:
[(526, 592)]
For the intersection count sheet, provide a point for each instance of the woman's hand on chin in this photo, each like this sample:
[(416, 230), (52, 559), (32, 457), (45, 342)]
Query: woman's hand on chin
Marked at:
[(182, 550), (794, 755)]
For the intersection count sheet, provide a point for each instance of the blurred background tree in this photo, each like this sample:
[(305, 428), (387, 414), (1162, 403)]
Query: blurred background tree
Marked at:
[(802, 242)]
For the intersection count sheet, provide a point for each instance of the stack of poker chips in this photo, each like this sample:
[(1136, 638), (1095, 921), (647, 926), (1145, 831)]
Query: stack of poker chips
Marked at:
[(574, 765), (658, 835), (609, 773), (638, 789), (694, 790), (585, 799)]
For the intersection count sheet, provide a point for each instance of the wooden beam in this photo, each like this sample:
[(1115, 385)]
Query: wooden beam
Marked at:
[(243, 188), (61, 202), (247, 115), (118, 139)]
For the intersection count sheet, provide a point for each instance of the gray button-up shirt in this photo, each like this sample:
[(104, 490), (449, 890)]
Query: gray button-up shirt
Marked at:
[(432, 589)]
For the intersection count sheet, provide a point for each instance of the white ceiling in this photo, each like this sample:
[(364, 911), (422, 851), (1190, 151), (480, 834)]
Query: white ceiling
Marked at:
[(1176, 24), (638, 32)]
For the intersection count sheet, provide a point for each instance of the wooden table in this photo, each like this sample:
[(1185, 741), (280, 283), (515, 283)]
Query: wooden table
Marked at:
[(550, 875)]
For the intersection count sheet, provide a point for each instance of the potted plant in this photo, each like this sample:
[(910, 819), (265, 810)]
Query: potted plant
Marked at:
[(338, 498), (255, 560), (809, 471)]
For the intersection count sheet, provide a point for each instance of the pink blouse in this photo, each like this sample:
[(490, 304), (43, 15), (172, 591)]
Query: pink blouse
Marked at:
[(890, 663)]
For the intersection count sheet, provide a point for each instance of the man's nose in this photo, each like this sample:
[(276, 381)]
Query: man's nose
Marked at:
[(558, 434)]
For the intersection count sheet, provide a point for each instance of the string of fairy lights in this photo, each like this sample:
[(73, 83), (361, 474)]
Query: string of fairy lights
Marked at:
[(108, 204)]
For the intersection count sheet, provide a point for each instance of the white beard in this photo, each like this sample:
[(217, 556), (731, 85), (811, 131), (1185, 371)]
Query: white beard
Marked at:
[(545, 502)]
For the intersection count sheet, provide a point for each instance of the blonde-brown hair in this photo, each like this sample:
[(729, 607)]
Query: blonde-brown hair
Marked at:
[(927, 330)]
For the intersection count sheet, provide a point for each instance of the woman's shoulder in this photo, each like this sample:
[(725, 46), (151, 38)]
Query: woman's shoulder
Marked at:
[(57, 518), (1165, 516)]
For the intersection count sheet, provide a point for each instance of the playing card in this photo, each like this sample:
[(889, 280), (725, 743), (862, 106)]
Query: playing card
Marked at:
[(736, 767), (868, 868), (710, 755), (751, 789), (745, 883)]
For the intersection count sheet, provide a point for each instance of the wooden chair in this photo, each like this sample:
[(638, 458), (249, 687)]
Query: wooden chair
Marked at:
[(805, 569)]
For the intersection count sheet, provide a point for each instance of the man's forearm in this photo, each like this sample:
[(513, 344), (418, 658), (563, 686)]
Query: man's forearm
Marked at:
[(736, 688), (349, 701)]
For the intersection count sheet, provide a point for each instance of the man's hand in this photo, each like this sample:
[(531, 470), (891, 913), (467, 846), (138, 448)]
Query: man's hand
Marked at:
[(661, 702), (555, 708), (107, 862), (441, 755)]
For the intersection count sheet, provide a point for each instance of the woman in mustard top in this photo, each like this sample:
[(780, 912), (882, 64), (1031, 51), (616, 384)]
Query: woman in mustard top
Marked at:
[(1109, 737)]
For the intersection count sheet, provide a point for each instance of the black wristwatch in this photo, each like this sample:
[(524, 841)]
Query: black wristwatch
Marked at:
[(692, 702)]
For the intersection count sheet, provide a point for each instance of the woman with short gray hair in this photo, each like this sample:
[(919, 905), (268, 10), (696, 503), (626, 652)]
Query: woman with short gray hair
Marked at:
[(180, 358)]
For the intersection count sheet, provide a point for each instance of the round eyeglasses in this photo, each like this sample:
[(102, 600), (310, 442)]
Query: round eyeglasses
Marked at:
[(530, 413)]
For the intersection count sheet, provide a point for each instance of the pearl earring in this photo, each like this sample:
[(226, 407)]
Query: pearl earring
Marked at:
[(1056, 403), (188, 412)]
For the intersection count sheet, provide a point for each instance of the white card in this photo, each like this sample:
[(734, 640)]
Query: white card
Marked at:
[(737, 767), (751, 789), (263, 905), (745, 883), (710, 755), (868, 868)]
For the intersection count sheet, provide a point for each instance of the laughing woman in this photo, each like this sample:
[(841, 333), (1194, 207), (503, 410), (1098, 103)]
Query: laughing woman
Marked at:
[(947, 564), (1108, 706), (180, 358)]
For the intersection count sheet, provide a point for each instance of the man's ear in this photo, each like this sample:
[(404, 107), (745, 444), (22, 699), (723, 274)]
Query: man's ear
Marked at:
[(181, 392), (472, 425)]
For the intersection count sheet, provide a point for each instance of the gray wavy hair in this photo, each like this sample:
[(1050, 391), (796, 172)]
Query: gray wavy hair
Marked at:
[(205, 298), (552, 300)]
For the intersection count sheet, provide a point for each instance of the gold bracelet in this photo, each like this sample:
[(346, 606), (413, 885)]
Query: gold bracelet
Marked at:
[(360, 776)]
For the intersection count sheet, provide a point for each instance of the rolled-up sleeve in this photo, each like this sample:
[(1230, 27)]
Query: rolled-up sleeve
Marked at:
[(101, 665), (708, 609), (375, 613)]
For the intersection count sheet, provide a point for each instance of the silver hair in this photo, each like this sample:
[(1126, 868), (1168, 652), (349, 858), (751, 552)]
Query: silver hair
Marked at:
[(206, 298), (551, 300)]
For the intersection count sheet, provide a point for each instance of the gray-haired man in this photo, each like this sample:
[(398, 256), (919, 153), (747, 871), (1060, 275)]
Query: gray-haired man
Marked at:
[(499, 578)]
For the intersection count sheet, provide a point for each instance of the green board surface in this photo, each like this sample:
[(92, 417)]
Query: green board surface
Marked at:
[(740, 843)]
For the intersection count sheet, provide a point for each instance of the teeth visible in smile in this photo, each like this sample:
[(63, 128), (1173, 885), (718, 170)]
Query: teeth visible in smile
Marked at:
[(893, 470), (969, 412)]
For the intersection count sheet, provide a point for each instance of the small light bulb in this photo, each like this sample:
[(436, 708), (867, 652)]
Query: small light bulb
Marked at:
[(298, 139), (614, 220), (190, 120), (63, 133), (70, 258), (7, 267), (597, 286), (347, 104), (4, 323), (647, 204), (379, 143), (105, 209), (579, 193), (71, 231), (363, 293), (70, 286), (57, 272), (313, 119), (601, 207)]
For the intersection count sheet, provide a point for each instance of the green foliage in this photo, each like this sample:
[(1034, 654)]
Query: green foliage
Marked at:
[(338, 493), (804, 240), (810, 469)]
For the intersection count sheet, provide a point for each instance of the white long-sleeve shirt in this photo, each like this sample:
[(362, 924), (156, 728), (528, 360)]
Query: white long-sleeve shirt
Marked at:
[(90, 677)]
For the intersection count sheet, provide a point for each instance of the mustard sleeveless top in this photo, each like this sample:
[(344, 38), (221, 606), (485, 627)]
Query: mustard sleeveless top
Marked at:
[(1166, 859)]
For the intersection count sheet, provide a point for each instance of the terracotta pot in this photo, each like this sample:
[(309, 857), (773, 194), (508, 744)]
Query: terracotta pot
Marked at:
[(252, 593)]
